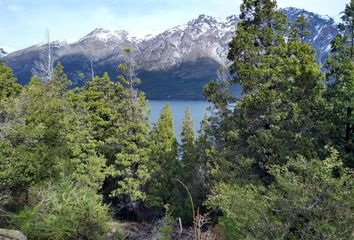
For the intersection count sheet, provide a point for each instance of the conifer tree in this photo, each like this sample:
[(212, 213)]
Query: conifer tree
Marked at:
[(100, 97), (119, 121), (46, 140), (187, 134), (8, 83), (340, 77), (305, 201), (132, 146), (36, 148), (60, 79), (190, 166), (203, 152), (129, 141), (162, 186), (283, 95)]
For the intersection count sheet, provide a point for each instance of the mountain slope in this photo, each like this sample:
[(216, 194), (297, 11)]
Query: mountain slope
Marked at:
[(174, 64)]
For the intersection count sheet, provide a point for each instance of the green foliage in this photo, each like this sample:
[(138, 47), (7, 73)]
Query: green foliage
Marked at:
[(261, 191), (217, 92), (189, 161), (131, 164), (86, 166), (187, 134), (60, 80), (307, 200), (162, 186), (45, 139), (242, 208), (99, 97), (8, 86), (35, 146), (165, 231), (300, 31), (118, 118), (118, 234), (129, 143), (64, 211), (340, 94), (282, 110), (192, 166)]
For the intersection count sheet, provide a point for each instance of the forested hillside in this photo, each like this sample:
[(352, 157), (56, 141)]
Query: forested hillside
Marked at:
[(81, 163)]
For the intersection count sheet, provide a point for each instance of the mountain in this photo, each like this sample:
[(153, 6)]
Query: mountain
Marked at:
[(174, 64)]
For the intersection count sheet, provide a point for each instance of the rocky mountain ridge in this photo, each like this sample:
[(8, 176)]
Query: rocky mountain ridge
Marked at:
[(174, 64)]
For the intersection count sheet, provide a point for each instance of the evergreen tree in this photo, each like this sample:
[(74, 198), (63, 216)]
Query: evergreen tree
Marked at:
[(162, 186), (187, 135), (60, 79), (119, 121), (305, 201), (44, 140), (9, 90), (129, 141), (86, 167), (281, 111), (100, 99), (300, 31), (35, 147), (192, 164), (130, 138), (204, 152), (8, 83), (340, 77)]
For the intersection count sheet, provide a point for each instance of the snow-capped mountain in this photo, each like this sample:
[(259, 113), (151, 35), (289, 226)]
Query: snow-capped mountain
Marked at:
[(174, 64), (202, 37)]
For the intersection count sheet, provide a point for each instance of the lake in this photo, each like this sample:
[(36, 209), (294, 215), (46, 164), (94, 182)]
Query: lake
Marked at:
[(198, 109)]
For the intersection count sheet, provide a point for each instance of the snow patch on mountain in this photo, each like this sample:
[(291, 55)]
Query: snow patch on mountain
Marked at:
[(204, 37)]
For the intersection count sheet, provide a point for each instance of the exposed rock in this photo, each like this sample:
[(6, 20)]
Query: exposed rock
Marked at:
[(6, 234)]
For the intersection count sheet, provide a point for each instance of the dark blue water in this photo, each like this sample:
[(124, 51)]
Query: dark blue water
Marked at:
[(198, 109)]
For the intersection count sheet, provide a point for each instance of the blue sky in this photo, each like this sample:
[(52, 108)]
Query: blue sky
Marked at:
[(24, 22)]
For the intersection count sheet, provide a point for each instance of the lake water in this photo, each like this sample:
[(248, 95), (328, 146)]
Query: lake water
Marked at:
[(198, 109)]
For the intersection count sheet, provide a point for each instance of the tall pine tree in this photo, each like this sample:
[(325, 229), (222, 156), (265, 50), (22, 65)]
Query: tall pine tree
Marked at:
[(280, 112), (193, 167), (340, 77), (130, 139), (162, 186)]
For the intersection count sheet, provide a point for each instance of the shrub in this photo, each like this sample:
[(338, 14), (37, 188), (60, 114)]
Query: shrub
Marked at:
[(64, 212), (307, 200), (165, 229)]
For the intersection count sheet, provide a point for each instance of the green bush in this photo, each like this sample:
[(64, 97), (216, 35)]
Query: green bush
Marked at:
[(118, 233), (165, 230), (64, 212), (308, 200)]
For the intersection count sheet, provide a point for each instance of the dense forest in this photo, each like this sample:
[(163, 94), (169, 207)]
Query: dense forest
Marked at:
[(275, 164)]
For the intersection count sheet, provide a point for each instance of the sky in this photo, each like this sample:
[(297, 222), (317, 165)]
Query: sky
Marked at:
[(24, 22)]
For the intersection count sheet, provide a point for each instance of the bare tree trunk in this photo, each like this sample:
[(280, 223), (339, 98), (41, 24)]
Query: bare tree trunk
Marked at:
[(50, 63)]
